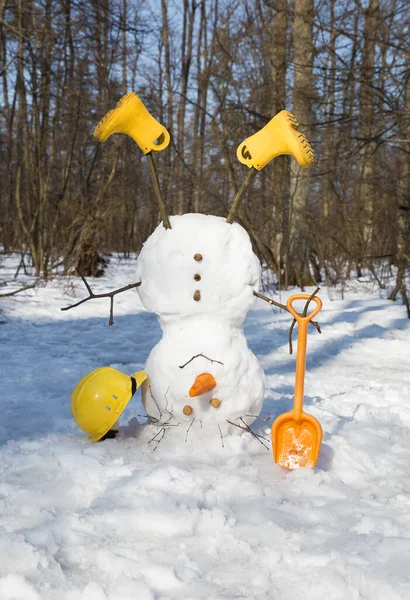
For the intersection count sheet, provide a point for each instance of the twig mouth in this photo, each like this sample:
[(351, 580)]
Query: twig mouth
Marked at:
[(212, 360)]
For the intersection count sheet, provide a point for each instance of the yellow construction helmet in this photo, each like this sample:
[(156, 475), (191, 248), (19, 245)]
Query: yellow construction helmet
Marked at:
[(100, 397)]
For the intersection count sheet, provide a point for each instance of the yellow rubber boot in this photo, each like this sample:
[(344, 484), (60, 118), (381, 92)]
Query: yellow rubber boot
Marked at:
[(279, 136), (132, 118)]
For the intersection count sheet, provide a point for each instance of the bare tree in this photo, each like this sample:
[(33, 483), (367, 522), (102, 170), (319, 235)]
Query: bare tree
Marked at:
[(297, 265), (368, 144), (214, 72), (280, 214)]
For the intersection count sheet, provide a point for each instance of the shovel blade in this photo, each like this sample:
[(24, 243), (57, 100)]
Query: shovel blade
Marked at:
[(296, 443)]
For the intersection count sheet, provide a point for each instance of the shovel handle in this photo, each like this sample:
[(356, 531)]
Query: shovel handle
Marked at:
[(303, 323), (299, 318)]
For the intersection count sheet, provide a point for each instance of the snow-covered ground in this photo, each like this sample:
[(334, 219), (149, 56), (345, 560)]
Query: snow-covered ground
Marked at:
[(191, 518)]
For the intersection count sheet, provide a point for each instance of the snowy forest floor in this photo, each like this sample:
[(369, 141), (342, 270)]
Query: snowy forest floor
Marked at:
[(127, 519)]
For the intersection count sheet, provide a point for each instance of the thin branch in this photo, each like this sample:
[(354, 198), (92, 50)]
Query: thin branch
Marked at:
[(187, 431), (156, 403), (405, 297), (26, 287), (303, 315), (157, 190), (166, 404), (158, 423), (244, 187), (236, 425), (161, 432), (264, 419), (270, 301), (4, 69), (106, 295), (255, 435), (203, 356), (222, 437), (284, 307), (249, 430), (168, 424)]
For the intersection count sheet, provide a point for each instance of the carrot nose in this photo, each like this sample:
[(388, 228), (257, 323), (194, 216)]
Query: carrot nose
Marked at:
[(205, 382)]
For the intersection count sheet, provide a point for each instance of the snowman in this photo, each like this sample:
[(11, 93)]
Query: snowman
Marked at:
[(199, 275), (198, 278)]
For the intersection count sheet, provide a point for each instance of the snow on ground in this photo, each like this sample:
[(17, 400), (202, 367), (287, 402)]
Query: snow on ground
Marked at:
[(130, 519)]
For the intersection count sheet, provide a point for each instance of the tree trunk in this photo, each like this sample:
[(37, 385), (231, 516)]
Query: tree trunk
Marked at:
[(366, 131), (297, 265), (402, 255), (166, 189), (280, 210), (186, 59), (330, 86)]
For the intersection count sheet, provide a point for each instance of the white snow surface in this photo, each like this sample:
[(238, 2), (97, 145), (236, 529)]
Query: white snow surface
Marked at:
[(188, 517), (205, 255)]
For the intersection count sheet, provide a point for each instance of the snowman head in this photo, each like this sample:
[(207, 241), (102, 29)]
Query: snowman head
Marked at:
[(202, 266)]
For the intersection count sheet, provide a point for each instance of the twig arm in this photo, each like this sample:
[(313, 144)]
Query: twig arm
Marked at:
[(270, 301), (109, 295), (106, 295), (284, 307), (78, 303)]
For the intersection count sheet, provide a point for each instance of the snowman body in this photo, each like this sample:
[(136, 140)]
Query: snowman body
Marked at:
[(199, 278)]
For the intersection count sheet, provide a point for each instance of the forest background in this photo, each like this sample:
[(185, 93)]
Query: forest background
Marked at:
[(213, 72)]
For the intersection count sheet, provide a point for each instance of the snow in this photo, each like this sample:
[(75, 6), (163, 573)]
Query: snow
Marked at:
[(133, 518), (228, 268), (205, 255)]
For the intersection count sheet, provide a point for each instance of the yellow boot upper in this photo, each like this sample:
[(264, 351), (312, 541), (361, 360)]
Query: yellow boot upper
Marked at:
[(132, 118), (279, 136)]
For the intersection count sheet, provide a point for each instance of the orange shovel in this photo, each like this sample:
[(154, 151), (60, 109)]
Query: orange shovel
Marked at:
[(296, 436)]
